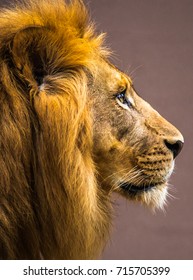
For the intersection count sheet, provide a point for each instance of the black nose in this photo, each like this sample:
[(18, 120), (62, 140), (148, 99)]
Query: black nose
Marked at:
[(174, 147)]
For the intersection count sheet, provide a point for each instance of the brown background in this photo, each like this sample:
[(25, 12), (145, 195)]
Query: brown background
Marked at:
[(153, 42)]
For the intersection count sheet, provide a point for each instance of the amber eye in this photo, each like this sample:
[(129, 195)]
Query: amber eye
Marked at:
[(123, 99)]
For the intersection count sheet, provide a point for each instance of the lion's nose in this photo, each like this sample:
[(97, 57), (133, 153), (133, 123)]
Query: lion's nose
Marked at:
[(174, 146)]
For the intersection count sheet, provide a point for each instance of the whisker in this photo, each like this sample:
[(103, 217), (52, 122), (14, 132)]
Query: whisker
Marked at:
[(132, 177), (131, 74), (115, 173)]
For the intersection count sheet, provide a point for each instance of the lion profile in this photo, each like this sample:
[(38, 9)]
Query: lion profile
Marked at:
[(72, 131)]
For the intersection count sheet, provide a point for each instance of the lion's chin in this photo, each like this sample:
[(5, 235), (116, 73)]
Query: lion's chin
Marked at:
[(152, 196), (156, 197)]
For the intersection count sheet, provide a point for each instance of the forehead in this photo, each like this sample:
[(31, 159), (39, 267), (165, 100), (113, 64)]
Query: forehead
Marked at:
[(112, 77)]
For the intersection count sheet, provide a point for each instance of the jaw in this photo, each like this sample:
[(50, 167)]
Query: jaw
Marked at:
[(156, 198), (153, 196), (150, 190)]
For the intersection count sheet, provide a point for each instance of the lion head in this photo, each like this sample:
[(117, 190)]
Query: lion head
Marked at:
[(72, 131), (134, 146)]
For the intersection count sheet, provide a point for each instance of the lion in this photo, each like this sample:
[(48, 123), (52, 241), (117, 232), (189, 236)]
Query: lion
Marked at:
[(73, 130)]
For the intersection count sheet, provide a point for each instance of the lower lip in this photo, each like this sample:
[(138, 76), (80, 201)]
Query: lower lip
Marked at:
[(132, 189)]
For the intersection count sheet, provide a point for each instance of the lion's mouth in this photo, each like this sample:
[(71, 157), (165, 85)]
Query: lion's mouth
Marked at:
[(133, 189)]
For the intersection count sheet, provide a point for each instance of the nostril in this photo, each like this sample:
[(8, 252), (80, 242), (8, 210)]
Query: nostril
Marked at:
[(175, 147)]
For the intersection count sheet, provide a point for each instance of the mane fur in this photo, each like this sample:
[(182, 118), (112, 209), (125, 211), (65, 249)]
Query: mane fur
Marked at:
[(50, 203)]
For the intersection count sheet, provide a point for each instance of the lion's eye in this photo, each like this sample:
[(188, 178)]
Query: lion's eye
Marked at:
[(123, 100)]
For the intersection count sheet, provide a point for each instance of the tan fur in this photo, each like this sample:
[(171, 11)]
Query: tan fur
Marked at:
[(61, 152)]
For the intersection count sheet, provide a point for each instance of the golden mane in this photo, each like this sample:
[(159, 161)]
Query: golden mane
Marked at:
[(50, 204)]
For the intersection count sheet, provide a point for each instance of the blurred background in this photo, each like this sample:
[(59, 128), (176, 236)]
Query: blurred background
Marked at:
[(153, 42)]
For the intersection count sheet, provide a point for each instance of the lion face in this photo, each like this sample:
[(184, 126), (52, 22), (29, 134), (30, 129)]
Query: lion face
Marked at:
[(134, 146)]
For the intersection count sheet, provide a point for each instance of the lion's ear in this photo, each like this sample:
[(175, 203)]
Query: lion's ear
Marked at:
[(29, 54)]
